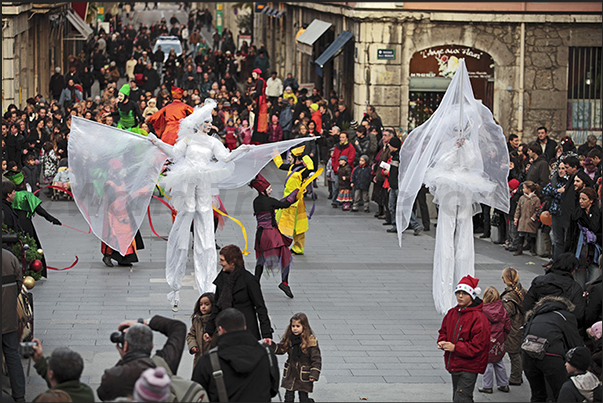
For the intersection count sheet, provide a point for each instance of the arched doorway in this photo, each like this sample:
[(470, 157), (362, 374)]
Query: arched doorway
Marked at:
[(432, 69)]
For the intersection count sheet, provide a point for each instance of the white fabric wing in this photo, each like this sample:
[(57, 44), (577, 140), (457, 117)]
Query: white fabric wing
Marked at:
[(460, 153), (112, 174), (249, 164)]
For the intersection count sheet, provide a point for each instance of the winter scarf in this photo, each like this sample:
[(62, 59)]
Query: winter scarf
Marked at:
[(296, 351), (225, 300)]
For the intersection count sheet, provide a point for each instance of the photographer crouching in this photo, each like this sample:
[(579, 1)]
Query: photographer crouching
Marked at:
[(134, 341)]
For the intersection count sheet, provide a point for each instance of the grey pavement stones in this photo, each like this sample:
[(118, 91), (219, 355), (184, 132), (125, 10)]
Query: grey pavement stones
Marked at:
[(369, 301)]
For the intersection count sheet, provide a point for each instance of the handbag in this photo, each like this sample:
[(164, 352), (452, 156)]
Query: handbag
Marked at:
[(535, 346)]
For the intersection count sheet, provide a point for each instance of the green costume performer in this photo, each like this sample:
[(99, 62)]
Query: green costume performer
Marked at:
[(26, 205), (128, 113)]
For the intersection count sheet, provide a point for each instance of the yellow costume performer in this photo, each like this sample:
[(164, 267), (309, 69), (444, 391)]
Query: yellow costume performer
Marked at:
[(293, 221)]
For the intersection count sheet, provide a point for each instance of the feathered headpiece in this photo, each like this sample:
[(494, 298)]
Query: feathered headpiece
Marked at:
[(200, 114)]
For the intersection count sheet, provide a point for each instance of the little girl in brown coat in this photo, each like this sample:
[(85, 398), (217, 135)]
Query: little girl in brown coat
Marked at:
[(200, 316), (526, 217), (303, 366)]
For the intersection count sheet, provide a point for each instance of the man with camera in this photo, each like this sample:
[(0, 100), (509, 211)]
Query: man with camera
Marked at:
[(134, 341), (62, 371), (12, 281), (250, 371)]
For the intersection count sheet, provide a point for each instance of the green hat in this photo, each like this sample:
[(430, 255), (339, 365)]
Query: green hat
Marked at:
[(125, 89), (15, 177)]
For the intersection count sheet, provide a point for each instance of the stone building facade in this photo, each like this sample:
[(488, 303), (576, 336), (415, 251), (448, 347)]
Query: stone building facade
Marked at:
[(526, 85), (32, 45)]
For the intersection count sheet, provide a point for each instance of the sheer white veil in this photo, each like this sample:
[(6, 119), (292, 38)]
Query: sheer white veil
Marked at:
[(478, 172)]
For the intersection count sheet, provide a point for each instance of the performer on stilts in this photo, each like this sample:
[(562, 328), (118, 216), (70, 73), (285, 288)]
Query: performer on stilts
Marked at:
[(271, 247), (460, 154), (190, 180), (293, 221)]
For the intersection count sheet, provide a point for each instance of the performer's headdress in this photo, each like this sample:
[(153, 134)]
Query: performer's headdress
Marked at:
[(125, 89), (256, 70), (298, 151), (200, 114), (259, 183), (15, 177), (177, 92), (469, 285)]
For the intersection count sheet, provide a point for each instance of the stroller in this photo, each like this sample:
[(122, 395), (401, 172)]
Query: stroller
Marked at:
[(61, 179)]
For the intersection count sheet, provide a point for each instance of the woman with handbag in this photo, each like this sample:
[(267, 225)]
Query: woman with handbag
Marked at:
[(551, 330)]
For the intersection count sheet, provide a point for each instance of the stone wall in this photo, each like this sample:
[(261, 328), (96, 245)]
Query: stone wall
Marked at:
[(385, 83)]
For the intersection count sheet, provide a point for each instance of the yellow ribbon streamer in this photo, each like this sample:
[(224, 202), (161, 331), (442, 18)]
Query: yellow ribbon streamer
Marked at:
[(309, 180), (245, 251)]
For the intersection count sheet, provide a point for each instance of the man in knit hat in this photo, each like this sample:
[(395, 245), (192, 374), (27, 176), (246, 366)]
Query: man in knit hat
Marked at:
[(465, 338), (582, 384)]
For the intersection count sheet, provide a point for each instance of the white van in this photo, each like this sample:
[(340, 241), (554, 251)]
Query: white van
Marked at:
[(167, 43)]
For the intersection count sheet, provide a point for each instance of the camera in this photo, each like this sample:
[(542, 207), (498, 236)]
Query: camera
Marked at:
[(26, 349), (118, 337)]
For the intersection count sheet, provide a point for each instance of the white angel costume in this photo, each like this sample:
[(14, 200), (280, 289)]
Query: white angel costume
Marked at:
[(201, 166), (460, 154)]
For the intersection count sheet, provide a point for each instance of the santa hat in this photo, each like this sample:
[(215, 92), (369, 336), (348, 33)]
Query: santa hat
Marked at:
[(469, 285), (259, 183), (177, 92)]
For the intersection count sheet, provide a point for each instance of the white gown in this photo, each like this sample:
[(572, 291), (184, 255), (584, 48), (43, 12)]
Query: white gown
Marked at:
[(452, 180), (460, 154), (199, 162)]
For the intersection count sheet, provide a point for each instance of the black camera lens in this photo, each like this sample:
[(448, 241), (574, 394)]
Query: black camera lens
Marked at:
[(117, 337)]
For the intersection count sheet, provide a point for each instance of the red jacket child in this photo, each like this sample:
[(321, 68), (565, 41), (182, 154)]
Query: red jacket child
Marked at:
[(465, 331)]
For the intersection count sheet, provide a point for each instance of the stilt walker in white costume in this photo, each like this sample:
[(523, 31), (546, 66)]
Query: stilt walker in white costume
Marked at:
[(189, 181), (460, 154)]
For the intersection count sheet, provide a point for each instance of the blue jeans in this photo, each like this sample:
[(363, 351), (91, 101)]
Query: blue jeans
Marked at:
[(335, 192), (392, 202), (10, 348)]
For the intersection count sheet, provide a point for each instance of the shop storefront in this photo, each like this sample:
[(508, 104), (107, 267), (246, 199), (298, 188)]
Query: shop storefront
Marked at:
[(431, 70)]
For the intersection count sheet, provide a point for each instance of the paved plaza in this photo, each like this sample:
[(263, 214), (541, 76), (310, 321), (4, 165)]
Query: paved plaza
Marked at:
[(369, 301)]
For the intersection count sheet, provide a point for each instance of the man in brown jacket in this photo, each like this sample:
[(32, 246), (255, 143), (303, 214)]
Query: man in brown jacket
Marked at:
[(193, 40), (12, 281)]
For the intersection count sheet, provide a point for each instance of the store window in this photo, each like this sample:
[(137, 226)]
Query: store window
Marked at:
[(584, 93), (431, 71)]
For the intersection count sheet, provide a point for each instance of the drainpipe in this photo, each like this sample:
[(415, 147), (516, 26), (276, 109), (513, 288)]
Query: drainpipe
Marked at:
[(521, 79)]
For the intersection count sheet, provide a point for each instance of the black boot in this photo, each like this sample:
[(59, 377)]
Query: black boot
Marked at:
[(519, 249), (380, 212), (107, 261), (259, 269), (289, 396)]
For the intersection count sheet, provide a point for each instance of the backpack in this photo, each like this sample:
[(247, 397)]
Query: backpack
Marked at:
[(182, 390)]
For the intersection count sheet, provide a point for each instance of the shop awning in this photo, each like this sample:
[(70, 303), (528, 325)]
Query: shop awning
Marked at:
[(314, 31), (79, 24), (333, 48)]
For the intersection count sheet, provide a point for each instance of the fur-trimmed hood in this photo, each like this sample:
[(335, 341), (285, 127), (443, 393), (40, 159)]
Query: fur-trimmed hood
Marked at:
[(550, 303)]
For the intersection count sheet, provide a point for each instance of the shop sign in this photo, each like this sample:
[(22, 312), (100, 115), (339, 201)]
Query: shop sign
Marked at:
[(386, 54)]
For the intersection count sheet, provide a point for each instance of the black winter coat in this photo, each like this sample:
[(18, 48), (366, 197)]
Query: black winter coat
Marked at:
[(246, 297), (552, 318), (594, 302), (248, 375), (558, 284), (361, 177)]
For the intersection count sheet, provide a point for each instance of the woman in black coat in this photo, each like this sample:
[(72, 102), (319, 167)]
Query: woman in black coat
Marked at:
[(237, 288), (584, 236)]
